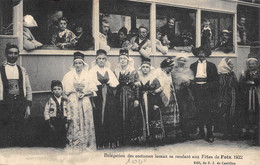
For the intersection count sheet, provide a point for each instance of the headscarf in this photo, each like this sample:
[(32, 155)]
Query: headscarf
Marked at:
[(78, 56), (28, 21), (223, 67)]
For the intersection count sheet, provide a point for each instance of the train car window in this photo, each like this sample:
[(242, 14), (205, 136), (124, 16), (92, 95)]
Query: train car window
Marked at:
[(6, 17), (252, 1), (246, 17), (176, 29), (217, 31), (63, 24), (120, 21)]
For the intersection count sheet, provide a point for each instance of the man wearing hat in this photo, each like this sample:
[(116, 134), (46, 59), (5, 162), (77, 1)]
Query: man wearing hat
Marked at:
[(225, 44), (15, 98), (29, 42), (205, 88)]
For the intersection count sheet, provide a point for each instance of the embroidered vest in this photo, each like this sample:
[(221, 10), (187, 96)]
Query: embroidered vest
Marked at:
[(59, 107), (12, 86)]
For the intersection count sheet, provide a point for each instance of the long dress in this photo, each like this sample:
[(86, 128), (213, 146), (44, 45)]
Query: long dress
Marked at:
[(249, 101), (181, 80), (151, 105), (125, 97), (228, 89), (81, 133), (106, 115), (170, 111)]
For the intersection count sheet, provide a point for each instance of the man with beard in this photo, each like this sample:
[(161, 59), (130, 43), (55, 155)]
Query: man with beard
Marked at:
[(141, 43), (15, 99)]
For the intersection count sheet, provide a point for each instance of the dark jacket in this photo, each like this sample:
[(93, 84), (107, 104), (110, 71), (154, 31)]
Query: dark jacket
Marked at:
[(212, 75)]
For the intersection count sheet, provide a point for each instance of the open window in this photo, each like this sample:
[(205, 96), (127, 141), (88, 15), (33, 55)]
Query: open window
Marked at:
[(247, 26), (217, 31), (176, 28), (6, 17), (124, 18), (72, 32)]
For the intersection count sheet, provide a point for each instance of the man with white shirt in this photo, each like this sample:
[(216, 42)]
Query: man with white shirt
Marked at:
[(15, 99), (204, 91), (104, 35)]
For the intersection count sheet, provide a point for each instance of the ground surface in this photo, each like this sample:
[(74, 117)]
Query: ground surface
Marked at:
[(221, 152)]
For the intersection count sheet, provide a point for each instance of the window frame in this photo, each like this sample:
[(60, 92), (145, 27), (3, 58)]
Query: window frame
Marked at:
[(18, 28)]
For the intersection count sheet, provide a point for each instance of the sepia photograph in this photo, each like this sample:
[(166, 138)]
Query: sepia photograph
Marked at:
[(130, 82)]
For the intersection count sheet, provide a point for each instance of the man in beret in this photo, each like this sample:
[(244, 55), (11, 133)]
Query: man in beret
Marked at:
[(15, 99), (204, 89)]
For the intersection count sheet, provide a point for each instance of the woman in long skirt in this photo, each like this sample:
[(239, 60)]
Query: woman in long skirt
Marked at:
[(106, 115), (78, 87), (126, 98)]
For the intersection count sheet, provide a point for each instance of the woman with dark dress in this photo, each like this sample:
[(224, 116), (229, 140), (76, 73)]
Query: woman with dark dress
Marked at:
[(106, 117), (228, 86), (126, 98), (249, 99), (149, 90)]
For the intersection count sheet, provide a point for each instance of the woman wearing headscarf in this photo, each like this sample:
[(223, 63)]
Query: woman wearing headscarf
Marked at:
[(126, 97), (249, 99), (150, 103), (29, 42), (182, 77), (106, 115), (228, 86), (170, 109), (79, 88)]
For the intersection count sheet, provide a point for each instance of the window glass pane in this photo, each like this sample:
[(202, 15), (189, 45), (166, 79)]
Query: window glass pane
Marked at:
[(217, 31), (6, 17), (251, 1), (176, 28), (247, 25), (73, 31), (123, 19)]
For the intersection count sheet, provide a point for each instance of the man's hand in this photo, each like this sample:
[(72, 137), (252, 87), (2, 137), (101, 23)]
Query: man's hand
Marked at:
[(27, 112), (136, 103)]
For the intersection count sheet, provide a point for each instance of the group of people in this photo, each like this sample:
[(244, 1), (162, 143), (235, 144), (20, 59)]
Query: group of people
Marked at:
[(136, 40), (95, 107), (62, 37)]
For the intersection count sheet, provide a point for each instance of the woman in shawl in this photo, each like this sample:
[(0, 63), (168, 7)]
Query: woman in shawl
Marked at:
[(249, 99), (64, 38), (170, 109), (130, 117), (79, 87), (106, 115), (182, 77), (149, 90), (228, 85)]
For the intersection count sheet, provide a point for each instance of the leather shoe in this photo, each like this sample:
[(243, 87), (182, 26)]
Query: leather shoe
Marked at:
[(210, 139)]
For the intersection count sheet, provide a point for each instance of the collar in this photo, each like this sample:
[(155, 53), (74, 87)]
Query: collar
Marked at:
[(203, 62), (11, 64), (58, 98)]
